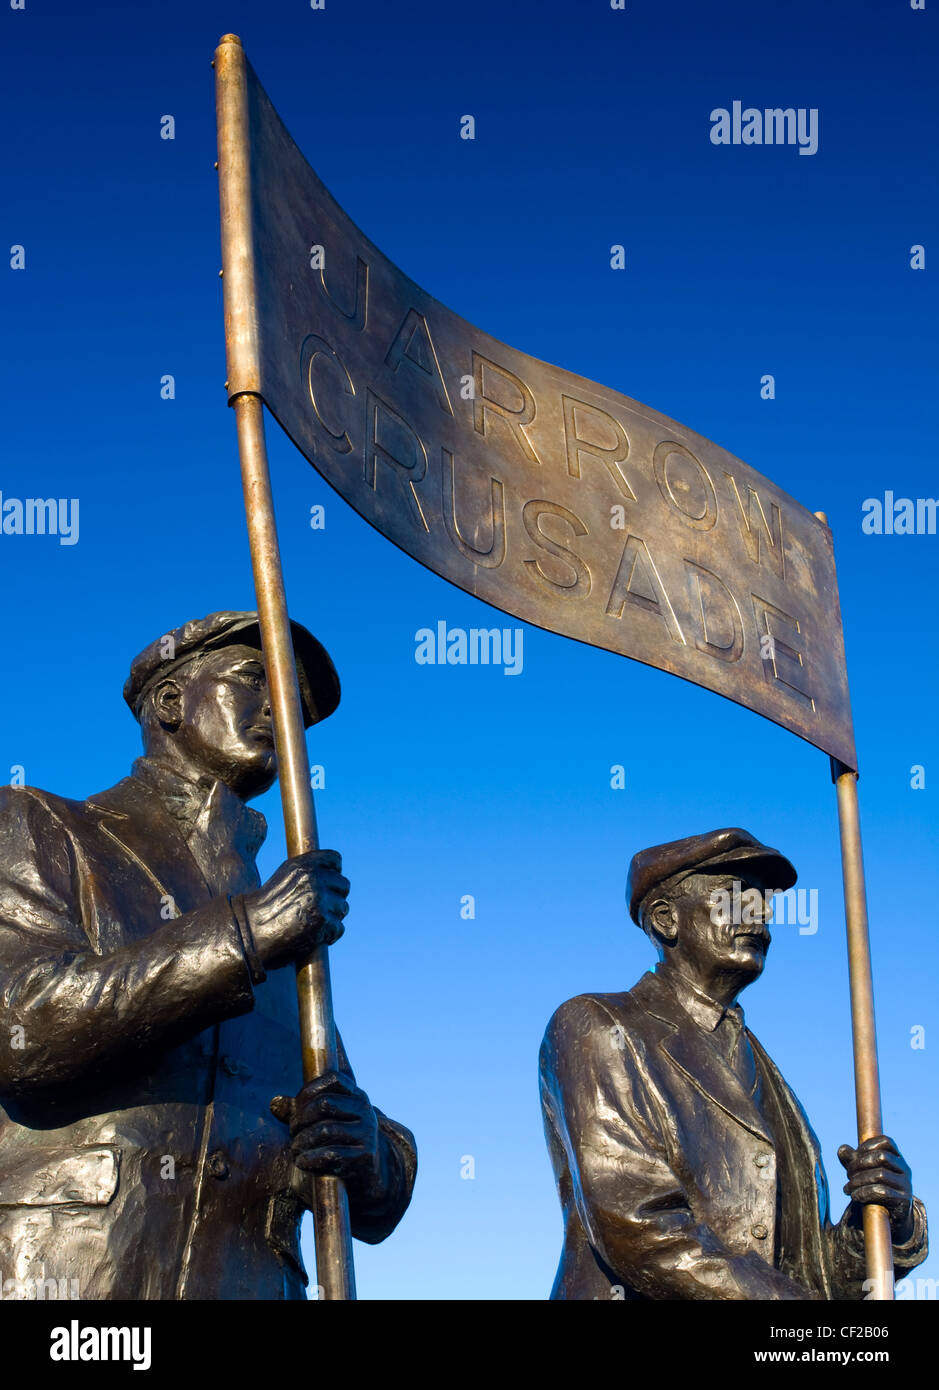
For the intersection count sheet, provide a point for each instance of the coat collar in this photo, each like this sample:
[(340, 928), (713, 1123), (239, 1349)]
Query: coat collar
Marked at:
[(689, 1048), (706, 1012), (133, 815), (196, 834), (202, 805)]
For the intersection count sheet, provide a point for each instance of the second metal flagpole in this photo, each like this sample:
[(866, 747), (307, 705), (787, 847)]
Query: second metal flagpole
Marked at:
[(878, 1244), (334, 1266)]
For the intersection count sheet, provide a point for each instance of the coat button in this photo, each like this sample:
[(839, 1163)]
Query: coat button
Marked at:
[(217, 1165), (761, 1160), (759, 1231)]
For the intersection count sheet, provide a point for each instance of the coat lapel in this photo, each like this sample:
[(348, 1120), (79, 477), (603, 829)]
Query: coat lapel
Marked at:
[(806, 1202), (695, 1056), (130, 814)]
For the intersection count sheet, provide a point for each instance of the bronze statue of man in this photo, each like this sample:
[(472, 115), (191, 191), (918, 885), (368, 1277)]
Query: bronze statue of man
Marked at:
[(156, 1140), (685, 1166)]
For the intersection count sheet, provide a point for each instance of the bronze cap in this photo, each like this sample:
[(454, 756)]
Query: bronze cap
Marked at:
[(316, 675), (716, 850)]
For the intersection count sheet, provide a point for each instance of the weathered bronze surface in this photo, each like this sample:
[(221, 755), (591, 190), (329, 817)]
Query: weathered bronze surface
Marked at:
[(156, 1137), (686, 1167), (551, 497)]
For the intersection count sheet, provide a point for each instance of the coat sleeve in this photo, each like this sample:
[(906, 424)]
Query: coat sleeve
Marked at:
[(64, 1009), (378, 1220), (846, 1247), (372, 1222), (637, 1214)]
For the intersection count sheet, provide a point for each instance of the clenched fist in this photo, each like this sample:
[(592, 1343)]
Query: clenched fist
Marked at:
[(301, 905), (879, 1174), (334, 1129)]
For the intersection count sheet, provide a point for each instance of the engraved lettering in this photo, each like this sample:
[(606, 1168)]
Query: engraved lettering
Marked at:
[(768, 618), (414, 345), (610, 455), (488, 559), (719, 613), (637, 581), (516, 416), (755, 527), (359, 315), (389, 439), (684, 482), (314, 349), (579, 582)]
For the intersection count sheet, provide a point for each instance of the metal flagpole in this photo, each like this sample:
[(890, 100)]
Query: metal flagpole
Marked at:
[(878, 1245), (334, 1268)]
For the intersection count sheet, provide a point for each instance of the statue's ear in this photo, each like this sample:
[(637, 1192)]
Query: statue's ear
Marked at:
[(167, 703), (663, 918)]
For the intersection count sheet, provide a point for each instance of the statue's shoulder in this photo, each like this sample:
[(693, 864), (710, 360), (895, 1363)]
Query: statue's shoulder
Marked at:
[(36, 828), (33, 803), (638, 1016), (588, 1012), (33, 810)]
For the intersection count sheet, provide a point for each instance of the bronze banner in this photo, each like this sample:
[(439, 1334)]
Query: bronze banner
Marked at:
[(548, 496)]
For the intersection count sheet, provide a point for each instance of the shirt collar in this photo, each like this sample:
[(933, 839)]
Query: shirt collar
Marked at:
[(195, 802), (706, 1012)]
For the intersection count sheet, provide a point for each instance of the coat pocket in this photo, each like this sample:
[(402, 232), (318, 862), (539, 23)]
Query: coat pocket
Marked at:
[(86, 1177)]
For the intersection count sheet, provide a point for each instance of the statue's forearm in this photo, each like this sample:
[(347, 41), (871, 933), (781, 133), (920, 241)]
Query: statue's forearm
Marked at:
[(373, 1220), (66, 1013), (848, 1253), (669, 1255)]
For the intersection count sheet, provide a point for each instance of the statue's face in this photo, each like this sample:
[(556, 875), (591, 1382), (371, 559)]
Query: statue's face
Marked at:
[(719, 927), (220, 716)]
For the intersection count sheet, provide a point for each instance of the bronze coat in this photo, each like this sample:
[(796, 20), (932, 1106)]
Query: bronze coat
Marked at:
[(672, 1184), (138, 1154)]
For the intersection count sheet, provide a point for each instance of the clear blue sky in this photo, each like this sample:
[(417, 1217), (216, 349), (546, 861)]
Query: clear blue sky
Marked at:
[(592, 129)]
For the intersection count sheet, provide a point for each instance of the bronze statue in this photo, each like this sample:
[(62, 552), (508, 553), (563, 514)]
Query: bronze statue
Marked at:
[(685, 1166), (156, 1141)]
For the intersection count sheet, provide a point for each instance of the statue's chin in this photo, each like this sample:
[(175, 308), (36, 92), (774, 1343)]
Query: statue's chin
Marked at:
[(258, 779), (251, 775), (257, 789)]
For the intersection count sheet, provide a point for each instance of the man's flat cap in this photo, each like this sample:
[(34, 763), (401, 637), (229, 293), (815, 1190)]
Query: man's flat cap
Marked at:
[(717, 851), (316, 675)]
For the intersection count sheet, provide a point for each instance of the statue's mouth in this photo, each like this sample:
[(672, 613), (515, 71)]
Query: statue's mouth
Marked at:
[(754, 938)]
